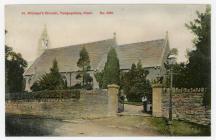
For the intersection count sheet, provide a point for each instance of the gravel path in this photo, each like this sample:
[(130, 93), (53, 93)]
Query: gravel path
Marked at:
[(114, 126), (111, 126)]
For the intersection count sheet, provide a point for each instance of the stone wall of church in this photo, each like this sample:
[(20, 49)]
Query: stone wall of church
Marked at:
[(71, 78)]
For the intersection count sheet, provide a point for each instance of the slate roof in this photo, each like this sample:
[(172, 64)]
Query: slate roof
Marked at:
[(151, 54), (67, 57)]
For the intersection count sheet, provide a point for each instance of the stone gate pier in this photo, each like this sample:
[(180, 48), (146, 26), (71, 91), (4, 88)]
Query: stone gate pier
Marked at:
[(112, 93), (157, 100)]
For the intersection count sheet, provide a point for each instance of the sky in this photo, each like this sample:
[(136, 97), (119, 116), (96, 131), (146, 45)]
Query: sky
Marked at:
[(131, 23)]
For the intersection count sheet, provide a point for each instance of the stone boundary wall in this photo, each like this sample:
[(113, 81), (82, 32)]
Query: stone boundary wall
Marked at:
[(187, 104), (92, 104)]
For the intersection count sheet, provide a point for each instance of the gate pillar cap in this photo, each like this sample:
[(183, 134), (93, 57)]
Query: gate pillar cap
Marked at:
[(113, 86), (157, 85)]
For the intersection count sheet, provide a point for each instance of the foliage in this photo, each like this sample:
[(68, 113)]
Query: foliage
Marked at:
[(135, 84), (196, 72), (173, 51), (199, 66), (14, 69), (84, 61), (48, 94), (111, 74), (84, 64), (99, 78), (180, 128), (179, 76), (88, 81), (76, 86), (50, 81)]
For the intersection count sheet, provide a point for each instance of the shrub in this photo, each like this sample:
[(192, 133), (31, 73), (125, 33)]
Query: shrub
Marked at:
[(76, 86), (65, 94), (135, 84), (50, 81)]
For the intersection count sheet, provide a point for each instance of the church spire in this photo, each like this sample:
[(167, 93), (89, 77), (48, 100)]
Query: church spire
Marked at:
[(43, 41), (114, 38), (167, 35), (114, 35)]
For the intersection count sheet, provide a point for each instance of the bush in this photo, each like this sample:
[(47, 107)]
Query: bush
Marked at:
[(134, 83), (65, 94), (207, 98), (99, 78), (76, 86), (50, 81)]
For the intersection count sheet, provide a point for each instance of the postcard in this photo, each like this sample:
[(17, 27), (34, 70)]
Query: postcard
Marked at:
[(108, 70)]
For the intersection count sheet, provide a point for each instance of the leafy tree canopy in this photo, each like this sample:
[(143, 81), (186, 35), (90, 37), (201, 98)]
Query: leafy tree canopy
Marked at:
[(84, 64), (199, 62), (135, 84), (14, 69), (196, 72), (84, 61), (50, 81)]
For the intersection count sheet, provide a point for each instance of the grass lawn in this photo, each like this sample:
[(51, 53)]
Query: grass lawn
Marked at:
[(180, 128)]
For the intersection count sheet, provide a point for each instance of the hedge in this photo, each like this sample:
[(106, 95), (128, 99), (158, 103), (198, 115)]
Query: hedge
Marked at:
[(62, 94)]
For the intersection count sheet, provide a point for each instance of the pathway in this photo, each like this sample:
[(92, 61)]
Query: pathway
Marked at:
[(133, 110)]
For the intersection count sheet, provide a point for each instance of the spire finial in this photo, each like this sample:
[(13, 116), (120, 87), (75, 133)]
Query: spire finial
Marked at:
[(114, 35), (44, 33), (167, 34)]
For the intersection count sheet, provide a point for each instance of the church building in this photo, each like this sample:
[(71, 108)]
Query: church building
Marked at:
[(152, 55)]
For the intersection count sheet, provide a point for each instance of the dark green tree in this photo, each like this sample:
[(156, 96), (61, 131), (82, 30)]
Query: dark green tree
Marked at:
[(199, 63), (88, 81), (14, 69), (199, 66), (99, 78), (84, 64), (111, 73), (179, 76), (197, 71), (50, 81), (135, 84)]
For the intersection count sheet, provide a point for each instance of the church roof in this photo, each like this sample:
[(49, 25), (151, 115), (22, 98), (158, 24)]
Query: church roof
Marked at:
[(67, 57), (150, 53)]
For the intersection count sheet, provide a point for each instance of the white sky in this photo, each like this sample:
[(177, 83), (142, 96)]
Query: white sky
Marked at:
[(132, 23)]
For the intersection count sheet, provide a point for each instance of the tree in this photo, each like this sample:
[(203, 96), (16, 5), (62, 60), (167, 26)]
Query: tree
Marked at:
[(111, 73), (88, 81), (135, 84), (180, 77), (196, 72), (14, 69), (50, 81), (84, 63), (99, 78), (199, 66), (199, 63)]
